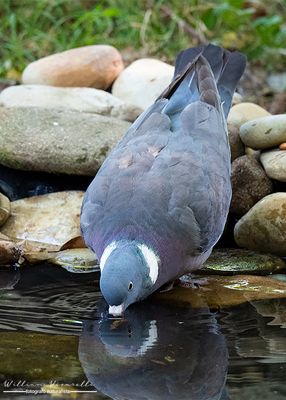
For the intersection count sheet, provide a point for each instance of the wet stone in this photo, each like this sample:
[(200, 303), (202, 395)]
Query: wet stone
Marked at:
[(224, 291), (241, 261), (80, 260)]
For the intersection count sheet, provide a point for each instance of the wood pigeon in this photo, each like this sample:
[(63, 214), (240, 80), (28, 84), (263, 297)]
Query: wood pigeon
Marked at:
[(159, 203)]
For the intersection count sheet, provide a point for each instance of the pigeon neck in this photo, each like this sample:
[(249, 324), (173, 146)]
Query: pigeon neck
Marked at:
[(151, 259), (168, 251)]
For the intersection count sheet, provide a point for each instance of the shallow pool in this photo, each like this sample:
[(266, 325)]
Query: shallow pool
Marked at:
[(57, 342)]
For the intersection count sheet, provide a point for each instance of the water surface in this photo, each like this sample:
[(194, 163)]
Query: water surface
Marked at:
[(55, 335)]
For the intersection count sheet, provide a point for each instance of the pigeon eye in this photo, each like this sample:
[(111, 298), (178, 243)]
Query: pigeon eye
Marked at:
[(130, 286)]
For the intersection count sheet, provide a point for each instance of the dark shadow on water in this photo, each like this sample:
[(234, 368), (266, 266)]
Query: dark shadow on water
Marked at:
[(17, 184)]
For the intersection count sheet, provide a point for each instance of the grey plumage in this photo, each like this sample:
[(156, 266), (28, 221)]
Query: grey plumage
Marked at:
[(167, 183)]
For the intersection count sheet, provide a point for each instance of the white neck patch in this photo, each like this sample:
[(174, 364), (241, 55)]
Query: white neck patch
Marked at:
[(107, 251), (152, 260)]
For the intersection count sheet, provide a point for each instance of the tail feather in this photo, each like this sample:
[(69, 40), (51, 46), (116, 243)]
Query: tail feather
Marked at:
[(193, 80), (186, 57), (234, 66)]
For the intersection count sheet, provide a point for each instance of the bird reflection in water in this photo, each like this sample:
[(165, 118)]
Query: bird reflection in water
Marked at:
[(157, 351)]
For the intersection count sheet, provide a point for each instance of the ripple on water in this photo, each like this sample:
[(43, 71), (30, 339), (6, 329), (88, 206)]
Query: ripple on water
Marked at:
[(53, 327)]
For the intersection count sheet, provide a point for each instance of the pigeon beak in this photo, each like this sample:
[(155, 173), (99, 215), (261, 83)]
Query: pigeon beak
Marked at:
[(116, 311)]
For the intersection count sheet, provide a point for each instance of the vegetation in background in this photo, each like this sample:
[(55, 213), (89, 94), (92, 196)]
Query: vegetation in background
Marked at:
[(30, 29)]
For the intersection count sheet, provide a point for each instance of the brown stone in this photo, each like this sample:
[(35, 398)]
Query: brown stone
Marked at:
[(90, 66), (263, 228), (236, 145), (282, 146), (249, 184), (46, 222)]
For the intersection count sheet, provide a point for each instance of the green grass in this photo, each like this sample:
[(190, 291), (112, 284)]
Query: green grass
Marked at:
[(30, 29)]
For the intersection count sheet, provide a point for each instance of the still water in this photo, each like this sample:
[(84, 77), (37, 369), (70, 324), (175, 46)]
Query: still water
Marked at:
[(56, 337)]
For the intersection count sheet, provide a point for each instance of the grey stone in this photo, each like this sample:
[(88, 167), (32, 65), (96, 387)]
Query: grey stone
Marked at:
[(263, 133), (78, 99), (68, 142), (274, 163)]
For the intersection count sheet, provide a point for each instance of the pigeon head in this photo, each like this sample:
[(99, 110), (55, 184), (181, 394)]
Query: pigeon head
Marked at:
[(129, 271)]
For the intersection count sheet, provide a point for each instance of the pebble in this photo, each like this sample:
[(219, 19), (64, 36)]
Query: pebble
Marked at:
[(249, 184), (90, 66), (76, 260), (78, 99), (143, 81), (263, 228), (274, 163), (5, 209), (265, 132), (240, 261), (45, 223), (57, 141), (282, 146), (236, 146), (244, 112)]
